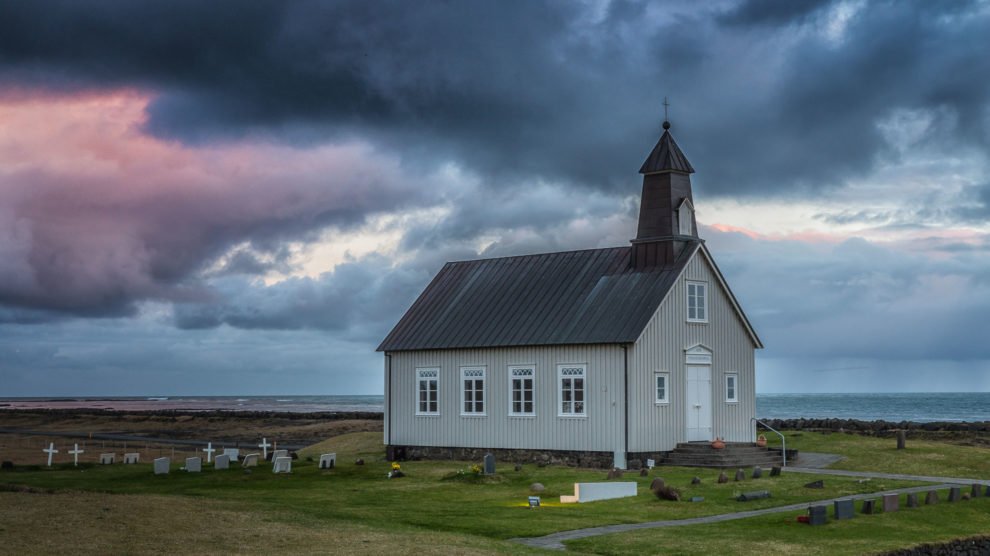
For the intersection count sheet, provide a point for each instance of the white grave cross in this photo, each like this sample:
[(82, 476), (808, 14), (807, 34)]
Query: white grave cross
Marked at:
[(264, 448), (75, 451), (209, 451), (51, 451)]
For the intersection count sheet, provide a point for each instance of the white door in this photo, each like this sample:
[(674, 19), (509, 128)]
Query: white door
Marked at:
[(699, 402)]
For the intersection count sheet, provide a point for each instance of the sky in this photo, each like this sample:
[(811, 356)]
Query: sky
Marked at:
[(230, 198)]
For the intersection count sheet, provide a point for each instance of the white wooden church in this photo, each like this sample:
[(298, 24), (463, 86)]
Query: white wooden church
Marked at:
[(591, 357)]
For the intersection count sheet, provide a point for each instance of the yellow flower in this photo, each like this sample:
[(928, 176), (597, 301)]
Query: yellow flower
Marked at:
[(395, 466)]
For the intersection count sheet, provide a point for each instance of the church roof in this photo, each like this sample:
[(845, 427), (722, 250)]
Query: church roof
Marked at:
[(666, 155), (574, 297)]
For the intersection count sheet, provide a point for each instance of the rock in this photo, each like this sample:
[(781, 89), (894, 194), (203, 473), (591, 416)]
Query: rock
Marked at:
[(667, 493), (537, 487), (644, 472), (757, 472), (775, 471), (696, 481), (912, 500), (518, 467), (657, 483), (723, 478), (740, 475), (931, 497), (359, 461), (815, 484), (614, 473)]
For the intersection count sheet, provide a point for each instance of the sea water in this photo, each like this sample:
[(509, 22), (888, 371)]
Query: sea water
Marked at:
[(917, 407)]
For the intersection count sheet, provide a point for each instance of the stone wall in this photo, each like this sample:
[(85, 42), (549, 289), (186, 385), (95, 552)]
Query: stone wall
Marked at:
[(876, 427), (974, 546), (597, 460)]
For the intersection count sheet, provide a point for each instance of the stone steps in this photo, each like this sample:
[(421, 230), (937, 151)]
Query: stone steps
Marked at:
[(736, 454)]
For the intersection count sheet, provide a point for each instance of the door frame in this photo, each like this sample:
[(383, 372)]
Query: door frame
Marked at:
[(699, 355)]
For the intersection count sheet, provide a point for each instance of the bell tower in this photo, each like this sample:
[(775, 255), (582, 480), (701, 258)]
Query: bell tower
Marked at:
[(666, 210)]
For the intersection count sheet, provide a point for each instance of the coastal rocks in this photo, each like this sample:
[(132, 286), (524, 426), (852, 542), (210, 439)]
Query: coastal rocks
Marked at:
[(976, 545)]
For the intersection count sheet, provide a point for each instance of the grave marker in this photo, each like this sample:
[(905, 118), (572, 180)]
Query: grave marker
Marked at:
[(757, 472), (75, 451), (817, 515), (954, 494), (209, 451), (489, 464), (107, 459), (283, 464), (328, 461), (775, 471), (264, 448), (232, 453), (723, 478), (931, 497), (696, 481), (279, 454), (844, 509), (51, 451), (250, 460), (755, 495), (162, 465), (131, 458), (194, 465), (976, 490), (221, 462), (869, 507), (740, 475), (912, 500), (650, 464), (815, 484), (901, 439), (891, 503)]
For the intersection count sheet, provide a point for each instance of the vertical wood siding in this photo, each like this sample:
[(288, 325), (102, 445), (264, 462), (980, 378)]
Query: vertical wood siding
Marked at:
[(659, 427), (601, 430)]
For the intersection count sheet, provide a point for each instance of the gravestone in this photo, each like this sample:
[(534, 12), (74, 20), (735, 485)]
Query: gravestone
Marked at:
[(912, 500), (901, 439), (755, 495), (489, 464), (976, 490), (250, 460), (517, 467), (774, 471), (131, 458), (844, 509), (869, 507), (283, 464), (359, 461), (696, 481), (931, 497), (534, 501), (209, 451), (264, 448), (162, 465), (328, 461), (697, 498), (51, 451), (107, 459), (815, 484), (757, 472), (75, 451), (221, 462), (740, 475), (891, 503), (279, 454), (194, 465), (644, 472), (723, 478), (656, 484), (614, 473), (817, 515), (232, 453), (987, 492), (954, 494)]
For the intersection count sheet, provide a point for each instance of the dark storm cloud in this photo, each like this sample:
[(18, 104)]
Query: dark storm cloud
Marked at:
[(556, 90)]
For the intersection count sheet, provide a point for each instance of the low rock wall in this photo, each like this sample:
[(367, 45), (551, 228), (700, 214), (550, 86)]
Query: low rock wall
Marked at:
[(975, 546), (876, 427), (597, 460)]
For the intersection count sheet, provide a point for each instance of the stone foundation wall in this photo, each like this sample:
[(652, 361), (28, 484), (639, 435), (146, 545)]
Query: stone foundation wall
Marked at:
[(596, 460), (963, 547)]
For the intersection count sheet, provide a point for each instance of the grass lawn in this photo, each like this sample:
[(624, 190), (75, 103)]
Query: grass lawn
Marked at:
[(436, 504)]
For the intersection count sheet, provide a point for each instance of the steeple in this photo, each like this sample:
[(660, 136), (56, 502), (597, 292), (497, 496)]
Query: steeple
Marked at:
[(666, 210)]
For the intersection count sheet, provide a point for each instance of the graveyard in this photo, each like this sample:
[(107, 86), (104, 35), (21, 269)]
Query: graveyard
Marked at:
[(443, 506)]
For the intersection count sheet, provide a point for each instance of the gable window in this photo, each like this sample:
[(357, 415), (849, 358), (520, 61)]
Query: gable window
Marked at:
[(731, 388), (428, 389), (521, 390), (571, 382), (697, 302), (662, 383), (684, 218), (473, 391)]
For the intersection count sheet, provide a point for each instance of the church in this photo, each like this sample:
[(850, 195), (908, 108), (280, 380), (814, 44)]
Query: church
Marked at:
[(597, 357)]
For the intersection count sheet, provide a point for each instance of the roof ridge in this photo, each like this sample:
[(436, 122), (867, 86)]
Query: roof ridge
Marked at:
[(543, 254)]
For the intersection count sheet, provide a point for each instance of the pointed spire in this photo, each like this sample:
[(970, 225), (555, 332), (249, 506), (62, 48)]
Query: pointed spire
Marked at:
[(666, 156)]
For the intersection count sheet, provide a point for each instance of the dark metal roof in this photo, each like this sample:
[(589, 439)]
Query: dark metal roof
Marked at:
[(666, 155), (574, 297)]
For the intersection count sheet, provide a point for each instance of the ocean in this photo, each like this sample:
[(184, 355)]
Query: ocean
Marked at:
[(917, 407)]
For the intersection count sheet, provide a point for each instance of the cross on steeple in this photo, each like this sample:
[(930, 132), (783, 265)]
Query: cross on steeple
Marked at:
[(666, 119)]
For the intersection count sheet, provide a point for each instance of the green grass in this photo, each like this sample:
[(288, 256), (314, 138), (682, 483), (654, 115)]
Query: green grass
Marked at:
[(436, 497)]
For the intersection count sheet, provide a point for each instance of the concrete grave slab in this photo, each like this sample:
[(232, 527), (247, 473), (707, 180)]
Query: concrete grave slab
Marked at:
[(912, 500), (590, 492), (221, 462), (282, 464), (817, 515), (233, 453), (931, 497), (250, 460), (891, 503), (489, 464), (162, 465), (869, 507), (328, 461), (131, 458), (279, 454), (108, 459), (194, 465), (844, 509)]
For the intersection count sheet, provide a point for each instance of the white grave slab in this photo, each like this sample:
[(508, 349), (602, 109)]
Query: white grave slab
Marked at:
[(107, 459), (282, 465), (131, 458), (279, 454), (328, 461), (194, 465), (221, 462), (250, 460), (232, 452), (590, 492), (162, 465)]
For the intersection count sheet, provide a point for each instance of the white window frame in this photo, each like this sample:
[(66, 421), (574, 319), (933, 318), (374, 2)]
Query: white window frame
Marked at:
[(734, 379), (427, 374), (531, 376), (666, 387), (691, 290), (569, 371), (472, 372)]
